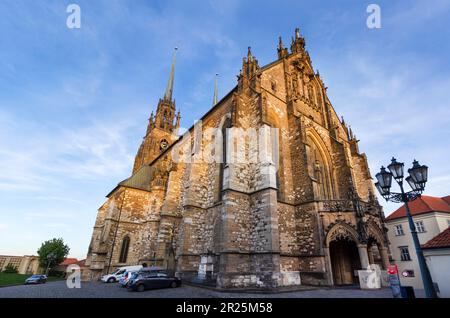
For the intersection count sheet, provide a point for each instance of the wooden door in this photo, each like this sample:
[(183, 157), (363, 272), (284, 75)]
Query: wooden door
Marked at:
[(344, 262)]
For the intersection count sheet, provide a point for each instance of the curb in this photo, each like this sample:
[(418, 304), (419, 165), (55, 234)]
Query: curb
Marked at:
[(256, 291)]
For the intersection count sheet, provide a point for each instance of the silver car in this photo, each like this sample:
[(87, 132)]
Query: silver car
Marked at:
[(36, 279)]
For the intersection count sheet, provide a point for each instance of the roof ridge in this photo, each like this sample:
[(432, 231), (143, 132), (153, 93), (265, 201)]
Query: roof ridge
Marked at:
[(425, 201), (441, 240), (422, 205)]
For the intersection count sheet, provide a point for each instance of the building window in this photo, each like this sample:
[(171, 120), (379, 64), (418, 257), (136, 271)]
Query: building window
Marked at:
[(223, 164), (124, 249), (408, 273), (399, 230), (420, 228), (404, 254)]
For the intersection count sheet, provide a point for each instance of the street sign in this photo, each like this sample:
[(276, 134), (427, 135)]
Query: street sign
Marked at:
[(394, 281), (392, 270)]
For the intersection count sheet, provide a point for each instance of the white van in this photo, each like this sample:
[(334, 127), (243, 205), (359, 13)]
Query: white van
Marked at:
[(117, 275)]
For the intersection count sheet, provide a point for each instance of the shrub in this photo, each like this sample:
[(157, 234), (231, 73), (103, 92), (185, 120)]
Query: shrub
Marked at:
[(60, 274)]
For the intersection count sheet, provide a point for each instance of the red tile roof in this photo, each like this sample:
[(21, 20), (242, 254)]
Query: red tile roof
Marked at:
[(440, 241), (446, 199), (81, 263), (424, 204), (69, 261)]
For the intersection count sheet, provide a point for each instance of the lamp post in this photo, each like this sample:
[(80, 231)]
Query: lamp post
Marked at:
[(418, 176), (50, 259)]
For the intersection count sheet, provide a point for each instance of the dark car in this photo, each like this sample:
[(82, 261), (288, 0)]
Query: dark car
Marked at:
[(153, 280), (36, 279)]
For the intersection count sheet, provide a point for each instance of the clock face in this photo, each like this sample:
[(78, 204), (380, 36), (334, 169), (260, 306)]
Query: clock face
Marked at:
[(164, 144)]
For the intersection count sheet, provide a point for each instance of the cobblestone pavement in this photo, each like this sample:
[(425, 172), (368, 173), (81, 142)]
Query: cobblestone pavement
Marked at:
[(101, 290)]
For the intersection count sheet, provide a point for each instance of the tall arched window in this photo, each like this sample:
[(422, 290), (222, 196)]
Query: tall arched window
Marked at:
[(225, 126), (319, 171), (310, 93), (164, 119), (279, 165), (124, 250), (319, 99)]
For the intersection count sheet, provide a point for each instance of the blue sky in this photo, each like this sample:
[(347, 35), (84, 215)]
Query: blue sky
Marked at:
[(74, 103)]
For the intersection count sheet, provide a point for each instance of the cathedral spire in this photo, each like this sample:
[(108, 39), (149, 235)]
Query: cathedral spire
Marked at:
[(215, 91), (169, 88), (298, 43), (249, 65), (282, 51)]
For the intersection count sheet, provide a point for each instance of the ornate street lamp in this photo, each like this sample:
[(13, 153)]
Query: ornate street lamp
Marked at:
[(384, 179), (50, 259), (418, 176)]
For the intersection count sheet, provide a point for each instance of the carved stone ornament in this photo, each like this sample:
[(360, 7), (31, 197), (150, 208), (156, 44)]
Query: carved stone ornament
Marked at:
[(340, 232)]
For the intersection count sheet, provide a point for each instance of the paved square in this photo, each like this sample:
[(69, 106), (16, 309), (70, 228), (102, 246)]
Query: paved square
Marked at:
[(101, 290)]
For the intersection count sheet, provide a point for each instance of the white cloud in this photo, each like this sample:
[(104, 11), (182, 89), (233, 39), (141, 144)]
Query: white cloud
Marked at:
[(34, 161), (49, 215), (418, 13)]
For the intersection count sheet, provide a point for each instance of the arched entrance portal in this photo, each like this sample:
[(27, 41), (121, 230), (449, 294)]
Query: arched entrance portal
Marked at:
[(345, 261), (170, 261)]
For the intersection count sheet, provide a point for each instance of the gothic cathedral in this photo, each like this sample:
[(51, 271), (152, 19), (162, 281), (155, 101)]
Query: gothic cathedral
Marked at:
[(298, 209)]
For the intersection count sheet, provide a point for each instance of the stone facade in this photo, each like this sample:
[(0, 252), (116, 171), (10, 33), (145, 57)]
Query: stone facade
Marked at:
[(28, 264), (264, 220)]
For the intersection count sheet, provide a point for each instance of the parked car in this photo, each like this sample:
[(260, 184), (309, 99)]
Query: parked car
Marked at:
[(152, 280), (127, 276), (144, 271), (36, 279), (117, 275)]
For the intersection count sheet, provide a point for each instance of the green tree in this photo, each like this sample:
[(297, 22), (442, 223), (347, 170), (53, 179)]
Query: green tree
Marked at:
[(52, 252)]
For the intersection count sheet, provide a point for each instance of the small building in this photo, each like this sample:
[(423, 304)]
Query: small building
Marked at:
[(27, 264), (62, 267), (437, 255), (431, 216)]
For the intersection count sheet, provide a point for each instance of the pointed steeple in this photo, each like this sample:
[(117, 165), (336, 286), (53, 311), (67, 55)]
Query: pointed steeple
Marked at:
[(249, 53), (298, 42), (161, 129), (249, 65), (282, 51), (215, 99), (169, 88), (177, 124), (297, 33), (165, 112)]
